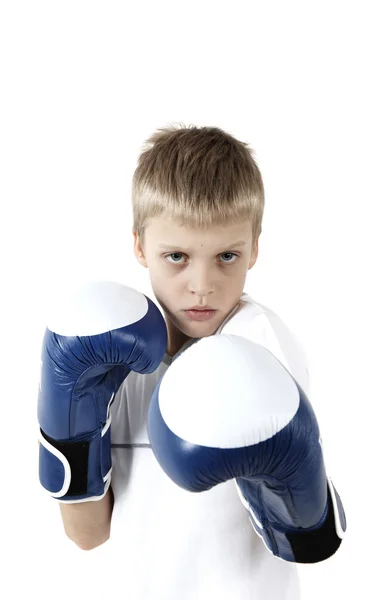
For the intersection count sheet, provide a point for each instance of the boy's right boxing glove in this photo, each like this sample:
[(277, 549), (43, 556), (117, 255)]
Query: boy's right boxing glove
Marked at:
[(99, 334)]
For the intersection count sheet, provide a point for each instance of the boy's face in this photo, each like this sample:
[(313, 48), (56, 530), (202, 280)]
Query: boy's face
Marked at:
[(204, 268)]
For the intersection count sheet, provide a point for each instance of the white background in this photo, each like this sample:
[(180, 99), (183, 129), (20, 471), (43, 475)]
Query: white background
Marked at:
[(83, 84)]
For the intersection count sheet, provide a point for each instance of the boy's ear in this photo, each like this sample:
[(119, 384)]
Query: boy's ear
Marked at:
[(254, 255), (138, 250)]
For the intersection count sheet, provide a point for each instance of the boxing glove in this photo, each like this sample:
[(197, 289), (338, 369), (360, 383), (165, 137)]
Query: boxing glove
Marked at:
[(228, 409), (96, 336)]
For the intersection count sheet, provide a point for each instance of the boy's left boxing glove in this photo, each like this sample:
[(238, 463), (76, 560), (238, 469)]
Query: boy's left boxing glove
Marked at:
[(101, 332), (228, 409)]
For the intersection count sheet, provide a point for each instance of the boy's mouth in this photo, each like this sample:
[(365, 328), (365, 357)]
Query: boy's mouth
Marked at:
[(200, 314), (199, 307)]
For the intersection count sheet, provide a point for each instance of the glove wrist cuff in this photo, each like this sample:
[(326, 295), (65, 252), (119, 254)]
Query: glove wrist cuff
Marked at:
[(76, 470)]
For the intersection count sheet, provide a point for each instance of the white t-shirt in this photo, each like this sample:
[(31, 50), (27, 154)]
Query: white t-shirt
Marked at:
[(170, 543)]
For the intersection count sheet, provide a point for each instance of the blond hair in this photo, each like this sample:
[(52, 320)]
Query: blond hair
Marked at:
[(198, 176)]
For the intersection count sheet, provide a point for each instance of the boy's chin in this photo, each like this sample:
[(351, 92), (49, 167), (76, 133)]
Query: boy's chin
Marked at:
[(199, 329)]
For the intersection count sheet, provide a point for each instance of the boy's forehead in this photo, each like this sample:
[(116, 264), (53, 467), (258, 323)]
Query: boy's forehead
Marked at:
[(167, 231)]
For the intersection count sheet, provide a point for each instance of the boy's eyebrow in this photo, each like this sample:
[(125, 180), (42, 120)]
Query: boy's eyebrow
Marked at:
[(169, 247)]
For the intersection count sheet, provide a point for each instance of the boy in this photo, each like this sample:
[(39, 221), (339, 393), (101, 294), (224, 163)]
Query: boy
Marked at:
[(198, 203)]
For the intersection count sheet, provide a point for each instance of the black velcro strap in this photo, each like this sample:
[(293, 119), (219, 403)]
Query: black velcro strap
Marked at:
[(77, 454), (320, 544)]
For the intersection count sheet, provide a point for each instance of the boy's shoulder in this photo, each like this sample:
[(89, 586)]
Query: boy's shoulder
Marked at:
[(260, 324), (243, 314)]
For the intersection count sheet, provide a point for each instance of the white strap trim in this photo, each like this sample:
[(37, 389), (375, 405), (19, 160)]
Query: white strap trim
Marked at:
[(93, 498), (338, 526), (64, 461), (247, 505), (108, 417), (67, 470), (250, 510)]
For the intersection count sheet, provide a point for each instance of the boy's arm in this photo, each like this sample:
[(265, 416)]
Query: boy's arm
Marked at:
[(97, 335), (87, 524)]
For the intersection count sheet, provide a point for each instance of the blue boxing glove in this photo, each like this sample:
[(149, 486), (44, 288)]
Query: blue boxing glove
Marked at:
[(98, 335), (228, 409)]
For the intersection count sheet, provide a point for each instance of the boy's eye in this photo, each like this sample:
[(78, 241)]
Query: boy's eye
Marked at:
[(180, 254), (176, 254)]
